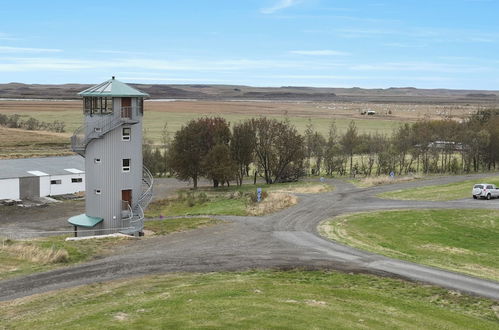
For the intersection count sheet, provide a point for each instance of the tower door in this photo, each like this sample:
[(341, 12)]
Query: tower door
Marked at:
[(126, 107), (126, 196)]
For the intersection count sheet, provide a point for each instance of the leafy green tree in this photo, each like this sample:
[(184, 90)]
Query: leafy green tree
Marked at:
[(349, 142), (242, 148), (219, 165), (279, 150), (192, 143)]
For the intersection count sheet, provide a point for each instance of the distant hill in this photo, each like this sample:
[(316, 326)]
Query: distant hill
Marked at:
[(286, 93)]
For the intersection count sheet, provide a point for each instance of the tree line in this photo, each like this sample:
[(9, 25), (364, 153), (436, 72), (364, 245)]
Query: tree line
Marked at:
[(32, 124), (274, 150)]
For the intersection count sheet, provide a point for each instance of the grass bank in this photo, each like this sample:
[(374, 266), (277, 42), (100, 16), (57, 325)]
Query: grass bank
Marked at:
[(233, 200), (459, 240), (23, 257), (445, 192), (255, 300), (36, 255)]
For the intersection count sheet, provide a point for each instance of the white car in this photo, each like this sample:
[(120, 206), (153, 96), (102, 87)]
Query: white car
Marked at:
[(485, 190)]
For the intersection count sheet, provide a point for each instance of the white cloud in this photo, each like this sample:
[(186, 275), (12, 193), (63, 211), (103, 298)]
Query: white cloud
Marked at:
[(323, 52), (228, 65), (119, 52), (281, 4), (7, 49), (420, 66)]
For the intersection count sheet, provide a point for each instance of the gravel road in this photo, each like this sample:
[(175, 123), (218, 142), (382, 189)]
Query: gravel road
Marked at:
[(284, 240)]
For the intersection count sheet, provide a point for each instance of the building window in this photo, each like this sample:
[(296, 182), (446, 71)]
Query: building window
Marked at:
[(98, 105), (97, 160), (126, 165), (55, 182), (97, 191), (126, 133), (97, 129), (76, 180)]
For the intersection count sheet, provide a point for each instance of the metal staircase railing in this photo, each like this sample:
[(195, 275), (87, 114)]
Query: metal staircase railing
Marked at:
[(86, 133), (132, 216), (135, 223)]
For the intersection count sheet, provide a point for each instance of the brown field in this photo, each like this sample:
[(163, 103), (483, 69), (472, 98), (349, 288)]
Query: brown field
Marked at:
[(18, 143), (308, 109)]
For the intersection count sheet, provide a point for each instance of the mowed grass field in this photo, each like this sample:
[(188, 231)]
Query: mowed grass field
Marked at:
[(252, 300), (459, 240), (445, 192)]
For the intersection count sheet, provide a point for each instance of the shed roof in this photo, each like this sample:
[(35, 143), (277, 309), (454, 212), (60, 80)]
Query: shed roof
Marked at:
[(84, 220), (112, 88), (23, 167)]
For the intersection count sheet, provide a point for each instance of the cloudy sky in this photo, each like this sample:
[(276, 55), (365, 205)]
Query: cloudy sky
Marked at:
[(383, 43)]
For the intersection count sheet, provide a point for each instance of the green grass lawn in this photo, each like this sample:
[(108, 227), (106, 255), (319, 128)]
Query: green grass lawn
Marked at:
[(460, 240), (255, 300), (444, 192), (167, 226), (215, 205), (231, 200)]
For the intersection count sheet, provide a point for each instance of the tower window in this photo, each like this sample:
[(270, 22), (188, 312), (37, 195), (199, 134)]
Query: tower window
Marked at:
[(97, 160), (97, 191), (55, 181), (126, 165), (76, 180), (98, 105), (126, 133)]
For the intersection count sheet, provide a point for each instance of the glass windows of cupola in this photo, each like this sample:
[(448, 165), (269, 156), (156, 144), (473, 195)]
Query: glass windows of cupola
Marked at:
[(98, 105)]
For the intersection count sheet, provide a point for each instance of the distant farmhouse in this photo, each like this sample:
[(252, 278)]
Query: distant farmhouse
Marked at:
[(31, 178)]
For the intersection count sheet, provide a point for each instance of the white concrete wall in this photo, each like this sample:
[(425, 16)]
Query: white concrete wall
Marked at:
[(66, 186), (9, 188)]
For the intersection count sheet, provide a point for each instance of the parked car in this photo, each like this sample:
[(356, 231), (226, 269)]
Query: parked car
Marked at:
[(485, 190)]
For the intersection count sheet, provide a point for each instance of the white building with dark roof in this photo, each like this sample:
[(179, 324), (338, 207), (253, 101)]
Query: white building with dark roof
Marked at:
[(39, 177)]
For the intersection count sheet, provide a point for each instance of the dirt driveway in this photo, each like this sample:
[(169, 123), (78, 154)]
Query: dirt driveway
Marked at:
[(284, 240)]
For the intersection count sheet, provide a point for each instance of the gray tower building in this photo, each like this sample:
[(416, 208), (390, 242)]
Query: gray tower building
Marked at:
[(118, 187)]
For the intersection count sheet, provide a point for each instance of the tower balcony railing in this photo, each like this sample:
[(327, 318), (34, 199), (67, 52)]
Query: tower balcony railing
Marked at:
[(126, 112), (86, 133)]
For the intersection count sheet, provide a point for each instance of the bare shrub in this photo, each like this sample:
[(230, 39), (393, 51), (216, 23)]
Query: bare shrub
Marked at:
[(274, 202), (308, 189), (380, 180)]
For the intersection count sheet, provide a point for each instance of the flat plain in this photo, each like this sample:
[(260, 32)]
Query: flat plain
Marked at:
[(176, 113)]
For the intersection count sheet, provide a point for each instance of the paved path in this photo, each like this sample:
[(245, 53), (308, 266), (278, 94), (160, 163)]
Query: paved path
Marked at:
[(284, 240)]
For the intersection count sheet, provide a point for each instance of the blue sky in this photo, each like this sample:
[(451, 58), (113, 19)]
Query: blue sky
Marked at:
[(372, 44)]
